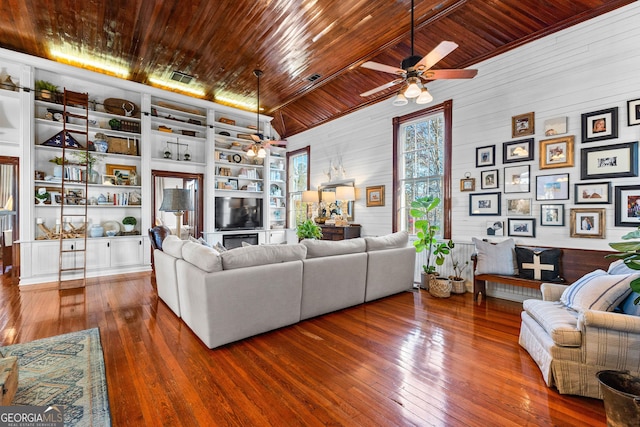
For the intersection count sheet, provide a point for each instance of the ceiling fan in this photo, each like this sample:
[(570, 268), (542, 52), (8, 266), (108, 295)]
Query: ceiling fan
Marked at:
[(259, 145), (415, 69)]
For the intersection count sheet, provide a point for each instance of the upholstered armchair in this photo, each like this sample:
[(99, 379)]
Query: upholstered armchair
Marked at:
[(601, 330)]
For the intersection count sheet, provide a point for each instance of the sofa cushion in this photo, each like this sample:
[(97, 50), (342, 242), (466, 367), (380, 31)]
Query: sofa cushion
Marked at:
[(320, 248), (250, 256), (597, 291), (619, 267), (559, 322), (390, 241), (172, 245), (628, 306), (539, 264), (495, 258), (203, 257)]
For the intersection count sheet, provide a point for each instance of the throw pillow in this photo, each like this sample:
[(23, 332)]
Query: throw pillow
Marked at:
[(539, 264), (597, 291), (390, 241), (619, 267), (218, 247), (495, 258)]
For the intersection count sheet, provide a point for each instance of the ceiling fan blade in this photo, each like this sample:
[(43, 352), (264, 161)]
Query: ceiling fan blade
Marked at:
[(279, 143), (440, 51), (381, 67), (448, 74), (379, 88)]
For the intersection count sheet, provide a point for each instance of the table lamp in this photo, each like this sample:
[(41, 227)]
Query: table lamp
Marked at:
[(178, 201), (310, 197)]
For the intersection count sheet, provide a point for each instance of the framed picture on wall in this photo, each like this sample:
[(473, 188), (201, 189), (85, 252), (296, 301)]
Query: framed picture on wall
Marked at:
[(519, 207), (375, 195), (609, 161), (489, 179), (525, 227), (555, 126), (588, 223), (522, 125), (485, 156), (552, 187), (627, 212), (517, 151), (516, 179), (556, 152), (484, 204), (599, 125), (552, 215), (633, 112), (592, 193)]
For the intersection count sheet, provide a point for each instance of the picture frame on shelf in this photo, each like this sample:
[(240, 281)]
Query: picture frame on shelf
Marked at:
[(609, 161), (633, 112), (489, 179), (557, 152), (109, 180), (627, 206), (516, 179), (592, 193), (233, 184), (523, 125), (587, 223), (552, 187), (555, 126), (375, 195), (600, 125), (486, 156), (552, 215), (517, 151), (521, 227), (467, 184), (484, 204), (74, 196), (123, 173), (519, 207)]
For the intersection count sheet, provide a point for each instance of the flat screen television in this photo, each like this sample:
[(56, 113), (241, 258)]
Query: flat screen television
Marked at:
[(238, 213)]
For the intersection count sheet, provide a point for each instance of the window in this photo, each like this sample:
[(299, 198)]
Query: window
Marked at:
[(422, 165), (298, 182)]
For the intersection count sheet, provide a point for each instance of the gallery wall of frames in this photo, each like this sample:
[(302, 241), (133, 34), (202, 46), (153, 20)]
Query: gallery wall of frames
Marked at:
[(601, 158)]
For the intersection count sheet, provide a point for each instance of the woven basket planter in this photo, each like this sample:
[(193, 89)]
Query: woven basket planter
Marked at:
[(440, 288), (458, 286)]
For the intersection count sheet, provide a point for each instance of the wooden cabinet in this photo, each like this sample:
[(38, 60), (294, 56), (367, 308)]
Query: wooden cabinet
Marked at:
[(340, 233)]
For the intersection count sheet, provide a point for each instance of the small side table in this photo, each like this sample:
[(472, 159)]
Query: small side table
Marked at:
[(330, 232)]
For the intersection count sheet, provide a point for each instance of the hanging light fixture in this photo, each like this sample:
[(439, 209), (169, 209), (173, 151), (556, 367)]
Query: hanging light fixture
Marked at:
[(400, 100), (424, 97), (257, 149)]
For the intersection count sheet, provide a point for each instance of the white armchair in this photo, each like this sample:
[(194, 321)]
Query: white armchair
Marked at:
[(570, 347)]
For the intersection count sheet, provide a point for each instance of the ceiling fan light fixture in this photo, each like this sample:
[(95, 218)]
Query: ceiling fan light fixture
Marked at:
[(262, 153), (424, 97), (413, 90), (400, 100), (251, 152)]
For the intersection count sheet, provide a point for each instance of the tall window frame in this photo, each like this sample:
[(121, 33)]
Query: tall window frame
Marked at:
[(398, 203), (298, 182)]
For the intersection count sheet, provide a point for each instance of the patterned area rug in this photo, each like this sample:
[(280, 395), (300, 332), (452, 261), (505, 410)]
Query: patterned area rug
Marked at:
[(65, 370)]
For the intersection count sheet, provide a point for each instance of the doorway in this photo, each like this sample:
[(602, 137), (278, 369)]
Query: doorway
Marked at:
[(192, 221), (9, 218)]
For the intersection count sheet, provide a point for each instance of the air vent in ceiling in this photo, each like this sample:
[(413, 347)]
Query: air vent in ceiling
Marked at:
[(313, 77), (181, 77)]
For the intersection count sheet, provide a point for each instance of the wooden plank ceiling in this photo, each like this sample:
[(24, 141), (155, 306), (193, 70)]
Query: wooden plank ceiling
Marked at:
[(221, 42)]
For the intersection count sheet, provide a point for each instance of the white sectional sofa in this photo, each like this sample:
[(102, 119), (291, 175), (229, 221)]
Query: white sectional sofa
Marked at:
[(228, 296)]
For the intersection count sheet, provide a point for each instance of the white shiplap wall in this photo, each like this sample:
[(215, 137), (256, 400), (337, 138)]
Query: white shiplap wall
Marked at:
[(588, 67)]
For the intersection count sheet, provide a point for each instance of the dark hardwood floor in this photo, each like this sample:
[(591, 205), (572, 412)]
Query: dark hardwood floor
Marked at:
[(409, 359)]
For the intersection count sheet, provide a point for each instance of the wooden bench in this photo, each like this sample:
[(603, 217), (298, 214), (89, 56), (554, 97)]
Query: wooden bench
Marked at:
[(574, 263)]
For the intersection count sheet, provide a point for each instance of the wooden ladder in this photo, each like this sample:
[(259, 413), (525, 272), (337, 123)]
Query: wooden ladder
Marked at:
[(72, 266)]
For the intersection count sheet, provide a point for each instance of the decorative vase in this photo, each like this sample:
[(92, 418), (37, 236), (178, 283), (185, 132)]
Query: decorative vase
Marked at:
[(426, 279), (101, 145), (128, 227), (57, 171), (621, 395), (96, 231), (94, 177)]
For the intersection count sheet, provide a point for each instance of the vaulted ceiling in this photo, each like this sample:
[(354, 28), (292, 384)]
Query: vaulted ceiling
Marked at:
[(310, 50)]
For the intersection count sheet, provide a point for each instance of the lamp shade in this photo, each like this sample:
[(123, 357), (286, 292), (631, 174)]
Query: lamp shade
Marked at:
[(328, 196), (345, 193), (310, 197), (176, 200), (424, 97), (400, 100), (413, 91)]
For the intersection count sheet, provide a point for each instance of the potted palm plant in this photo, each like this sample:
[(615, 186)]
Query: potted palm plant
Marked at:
[(421, 209), (457, 281)]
